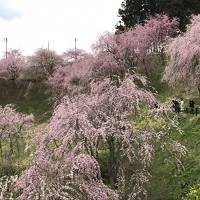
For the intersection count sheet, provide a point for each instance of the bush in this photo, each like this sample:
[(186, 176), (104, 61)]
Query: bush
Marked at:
[(194, 193)]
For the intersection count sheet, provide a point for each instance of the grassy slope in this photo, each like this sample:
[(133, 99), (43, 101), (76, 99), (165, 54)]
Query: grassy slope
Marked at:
[(27, 97), (166, 182)]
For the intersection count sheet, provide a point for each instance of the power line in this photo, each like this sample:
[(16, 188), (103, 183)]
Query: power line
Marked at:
[(48, 46)]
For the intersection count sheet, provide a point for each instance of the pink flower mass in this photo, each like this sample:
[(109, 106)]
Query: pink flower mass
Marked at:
[(183, 52), (97, 117), (68, 152)]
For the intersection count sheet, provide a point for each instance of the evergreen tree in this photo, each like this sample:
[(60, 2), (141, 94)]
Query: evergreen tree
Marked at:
[(183, 9), (133, 12)]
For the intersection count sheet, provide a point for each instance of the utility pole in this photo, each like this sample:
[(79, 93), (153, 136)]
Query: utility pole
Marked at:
[(75, 41), (48, 45), (6, 41)]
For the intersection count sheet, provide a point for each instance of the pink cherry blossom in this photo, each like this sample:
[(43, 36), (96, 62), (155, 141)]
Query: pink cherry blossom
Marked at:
[(183, 52)]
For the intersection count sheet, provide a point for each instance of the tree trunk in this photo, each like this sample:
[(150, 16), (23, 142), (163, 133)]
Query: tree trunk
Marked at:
[(1, 151), (112, 170), (198, 88), (10, 153)]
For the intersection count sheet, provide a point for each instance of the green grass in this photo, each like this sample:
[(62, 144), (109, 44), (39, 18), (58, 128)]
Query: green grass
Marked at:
[(27, 97), (169, 184)]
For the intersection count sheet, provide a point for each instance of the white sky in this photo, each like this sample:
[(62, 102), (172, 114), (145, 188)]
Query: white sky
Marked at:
[(30, 24)]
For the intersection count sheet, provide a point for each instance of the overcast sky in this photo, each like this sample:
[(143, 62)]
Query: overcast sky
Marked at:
[(30, 24)]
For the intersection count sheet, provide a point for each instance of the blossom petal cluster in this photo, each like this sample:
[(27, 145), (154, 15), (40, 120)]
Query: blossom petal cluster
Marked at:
[(183, 52), (67, 157)]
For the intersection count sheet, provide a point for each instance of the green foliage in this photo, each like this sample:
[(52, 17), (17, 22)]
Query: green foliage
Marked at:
[(28, 97), (165, 177), (133, 12), (143, 121), (14, 164), (10, 169), (194, 193), (182, 9), (104, 164)]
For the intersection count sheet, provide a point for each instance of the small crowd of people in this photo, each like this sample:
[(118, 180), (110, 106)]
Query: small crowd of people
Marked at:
[(178, 106)]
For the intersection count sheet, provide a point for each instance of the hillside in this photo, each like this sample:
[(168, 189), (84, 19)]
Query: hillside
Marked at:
[(33, 98), (28, 97)]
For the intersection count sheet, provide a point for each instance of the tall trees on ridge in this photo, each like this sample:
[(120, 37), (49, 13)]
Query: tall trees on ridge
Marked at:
[(182, 9), (133, 12)]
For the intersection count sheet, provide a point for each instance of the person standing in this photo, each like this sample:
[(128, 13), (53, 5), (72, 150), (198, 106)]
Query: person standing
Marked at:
[(182, 105), (191, 106), (175, 106)]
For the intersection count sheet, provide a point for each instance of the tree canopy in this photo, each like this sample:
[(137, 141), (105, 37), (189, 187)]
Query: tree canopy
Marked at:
[(183, 52), (133, 12)]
